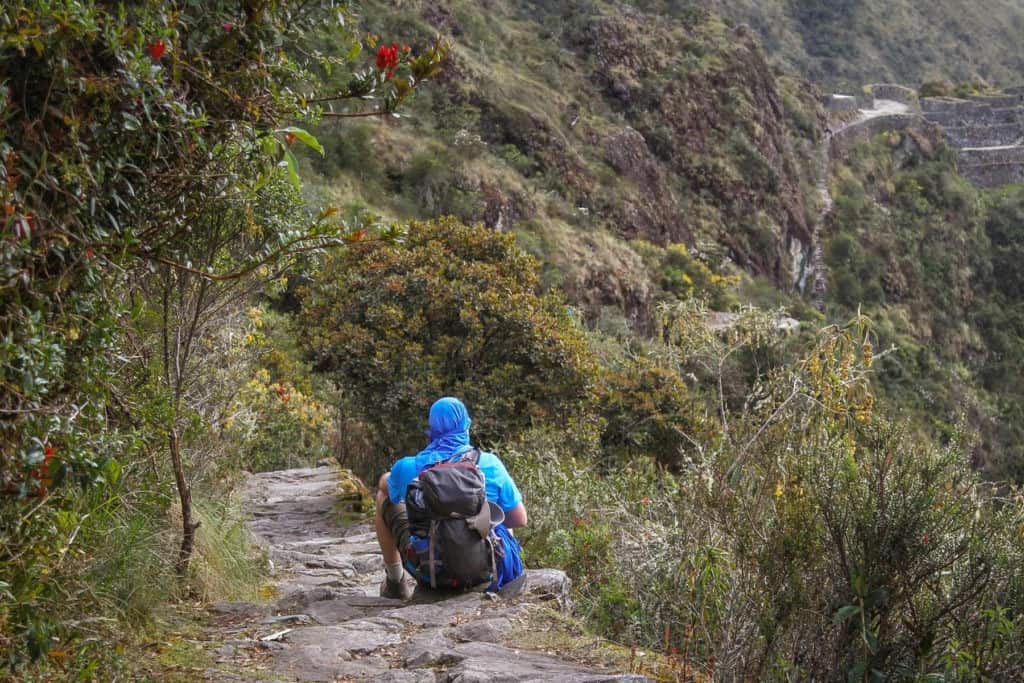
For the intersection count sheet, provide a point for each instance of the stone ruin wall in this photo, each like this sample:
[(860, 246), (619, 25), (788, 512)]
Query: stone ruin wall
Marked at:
[(995, 155), (842, 103), (983, 136), (850, 136), (988, 130), (896, 93), (994, 175), (865, 100)]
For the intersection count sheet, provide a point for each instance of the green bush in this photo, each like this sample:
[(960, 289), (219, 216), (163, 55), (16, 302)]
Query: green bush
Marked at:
[(811, 539), (647, 411), (937, 88), (446, 310)]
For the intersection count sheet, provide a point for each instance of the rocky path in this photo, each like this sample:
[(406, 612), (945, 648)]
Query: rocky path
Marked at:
[(328, 623)]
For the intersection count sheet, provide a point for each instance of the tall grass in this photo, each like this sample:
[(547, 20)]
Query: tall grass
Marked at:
[(228, 564)]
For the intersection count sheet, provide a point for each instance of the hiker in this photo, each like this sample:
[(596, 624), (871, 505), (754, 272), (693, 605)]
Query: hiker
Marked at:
[(445, 514)]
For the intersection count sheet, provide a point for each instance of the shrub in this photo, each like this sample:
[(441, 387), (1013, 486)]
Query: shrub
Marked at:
[(936, 88), (647, 411), (448, 309), (811, 539)]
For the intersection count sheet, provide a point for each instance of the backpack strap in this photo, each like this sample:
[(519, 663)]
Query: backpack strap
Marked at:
[(471, 456), (430, 554), (491, 540)]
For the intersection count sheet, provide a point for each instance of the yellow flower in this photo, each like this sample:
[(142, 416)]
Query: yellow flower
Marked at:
[(779, 490)]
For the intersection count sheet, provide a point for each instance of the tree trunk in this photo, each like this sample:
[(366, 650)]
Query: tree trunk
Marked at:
[(188, 527)]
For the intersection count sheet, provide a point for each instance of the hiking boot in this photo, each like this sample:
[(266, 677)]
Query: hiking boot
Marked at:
[(396, 590)]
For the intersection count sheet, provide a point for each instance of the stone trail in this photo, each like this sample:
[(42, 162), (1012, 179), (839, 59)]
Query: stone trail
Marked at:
[(329, 624)]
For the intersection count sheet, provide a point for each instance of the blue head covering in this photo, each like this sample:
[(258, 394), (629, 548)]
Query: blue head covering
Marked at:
[(449, 430)]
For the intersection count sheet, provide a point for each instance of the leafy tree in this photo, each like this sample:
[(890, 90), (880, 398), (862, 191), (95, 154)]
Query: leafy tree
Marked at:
[(147, 164), (447, 310)]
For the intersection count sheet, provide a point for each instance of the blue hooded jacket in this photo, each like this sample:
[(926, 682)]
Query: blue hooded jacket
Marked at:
[(449, 438)]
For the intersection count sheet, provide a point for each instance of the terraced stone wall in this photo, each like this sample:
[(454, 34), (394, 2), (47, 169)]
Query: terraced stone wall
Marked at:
[(896, 93), (854, 134), (984, 136), (993, 167)]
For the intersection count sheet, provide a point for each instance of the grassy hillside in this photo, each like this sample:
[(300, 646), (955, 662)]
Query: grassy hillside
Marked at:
[(591, 130), (933, 260), (649, 154), (846, 43)]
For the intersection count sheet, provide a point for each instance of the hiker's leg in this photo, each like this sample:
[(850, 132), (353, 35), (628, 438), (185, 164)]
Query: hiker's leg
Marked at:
[(384, 523), (392, 525)]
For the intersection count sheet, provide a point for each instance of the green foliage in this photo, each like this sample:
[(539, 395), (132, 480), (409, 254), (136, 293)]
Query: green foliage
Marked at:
[(447, 310), (812, 538), (935, 89), (149, 185), (973, 87), (688, 275), (279, 418), (928, 256), (646, 410), (847, 43)]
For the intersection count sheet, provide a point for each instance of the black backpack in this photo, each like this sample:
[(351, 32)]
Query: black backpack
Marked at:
[(447, 506)]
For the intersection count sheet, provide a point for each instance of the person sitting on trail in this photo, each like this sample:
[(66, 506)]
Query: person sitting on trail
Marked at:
[(444, 514)]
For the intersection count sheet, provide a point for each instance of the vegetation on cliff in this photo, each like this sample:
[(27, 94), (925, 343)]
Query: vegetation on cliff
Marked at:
[(757, 503), (934, 261), (846, 43), (576, 136)]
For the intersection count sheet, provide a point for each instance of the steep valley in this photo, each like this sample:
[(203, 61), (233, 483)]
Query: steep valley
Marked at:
[(602, 134)]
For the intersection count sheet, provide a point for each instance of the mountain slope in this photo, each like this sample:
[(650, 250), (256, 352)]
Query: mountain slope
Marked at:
[(846, 43), (653, 155), (584, 127)]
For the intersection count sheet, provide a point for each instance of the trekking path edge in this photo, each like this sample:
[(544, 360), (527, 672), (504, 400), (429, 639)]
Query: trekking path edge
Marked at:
[(328, 622)]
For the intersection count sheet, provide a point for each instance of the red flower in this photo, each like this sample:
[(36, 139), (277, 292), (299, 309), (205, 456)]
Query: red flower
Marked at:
[(387, 58), (289, 138), (42, 473), (89, 253), (382, 57), (227, 26), (156, 50), (406, 49)]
